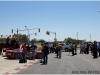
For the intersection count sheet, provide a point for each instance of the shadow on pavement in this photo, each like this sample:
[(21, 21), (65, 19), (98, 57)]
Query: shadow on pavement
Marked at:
[(55, 57), (10, 58), (43, 64), (41, 61), (68, 55)]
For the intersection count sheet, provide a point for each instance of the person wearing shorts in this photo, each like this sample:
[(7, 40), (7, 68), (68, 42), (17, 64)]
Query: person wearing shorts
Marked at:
[(33, 50)]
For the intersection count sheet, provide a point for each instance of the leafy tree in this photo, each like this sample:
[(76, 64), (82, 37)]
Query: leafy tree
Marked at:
[(20, 38), (34, 40), (71, 40), (42, 41), (68, 40)]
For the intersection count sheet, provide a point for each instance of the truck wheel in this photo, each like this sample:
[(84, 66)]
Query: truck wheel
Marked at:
[(39, 56), (16, 56)]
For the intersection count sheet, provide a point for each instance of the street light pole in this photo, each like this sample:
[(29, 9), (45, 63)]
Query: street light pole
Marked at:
[(31, 29), (28, 34), (55, 37)]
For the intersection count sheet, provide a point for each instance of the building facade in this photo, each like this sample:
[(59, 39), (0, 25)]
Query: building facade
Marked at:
[(3, 38)]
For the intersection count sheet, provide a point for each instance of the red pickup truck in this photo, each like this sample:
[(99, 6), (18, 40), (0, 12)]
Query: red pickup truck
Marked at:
[(16, 53)]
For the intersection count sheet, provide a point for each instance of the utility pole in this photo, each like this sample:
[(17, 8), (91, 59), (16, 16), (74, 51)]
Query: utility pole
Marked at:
[(90, 37), (17, 33), (77, 37), (55, 37)]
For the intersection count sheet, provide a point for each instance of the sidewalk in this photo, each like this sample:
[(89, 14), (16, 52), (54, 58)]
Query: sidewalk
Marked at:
[(12, 66)]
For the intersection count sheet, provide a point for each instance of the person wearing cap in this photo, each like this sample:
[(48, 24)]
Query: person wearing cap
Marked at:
[(45, 53)]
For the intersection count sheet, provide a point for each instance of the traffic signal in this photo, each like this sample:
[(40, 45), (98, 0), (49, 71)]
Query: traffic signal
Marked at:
[(48, 33), (12, 31), (39, 30), (35, 34)]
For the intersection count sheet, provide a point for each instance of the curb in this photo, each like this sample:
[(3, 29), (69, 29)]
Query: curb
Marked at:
[(26, 65)]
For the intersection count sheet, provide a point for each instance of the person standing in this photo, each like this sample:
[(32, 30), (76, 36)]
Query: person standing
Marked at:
[(56, 49), (33, 50), (72, 49), (99, 48), (87, 49), (17, 46), (59, 51), (81, 49), (28, 51), (75, 48), (24, 50), (91, 47), (42, 52), (95, 49), (23, 54), (51, 48), (45, 53)]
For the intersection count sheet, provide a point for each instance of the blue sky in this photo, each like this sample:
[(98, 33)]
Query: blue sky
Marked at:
[(65, 18)]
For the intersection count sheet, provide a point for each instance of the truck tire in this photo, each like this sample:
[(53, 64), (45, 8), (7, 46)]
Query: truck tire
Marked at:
[(16, 56)]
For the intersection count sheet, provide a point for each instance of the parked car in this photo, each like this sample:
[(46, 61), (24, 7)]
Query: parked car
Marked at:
[(16, 54), (13, 53), (3, 53)]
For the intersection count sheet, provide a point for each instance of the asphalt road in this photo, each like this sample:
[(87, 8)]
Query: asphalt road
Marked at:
[(78, 64)]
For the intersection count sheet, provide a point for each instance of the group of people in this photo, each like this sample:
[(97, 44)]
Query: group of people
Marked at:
[(50, 48), (47, 48), (93, 47), (29, 50)]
